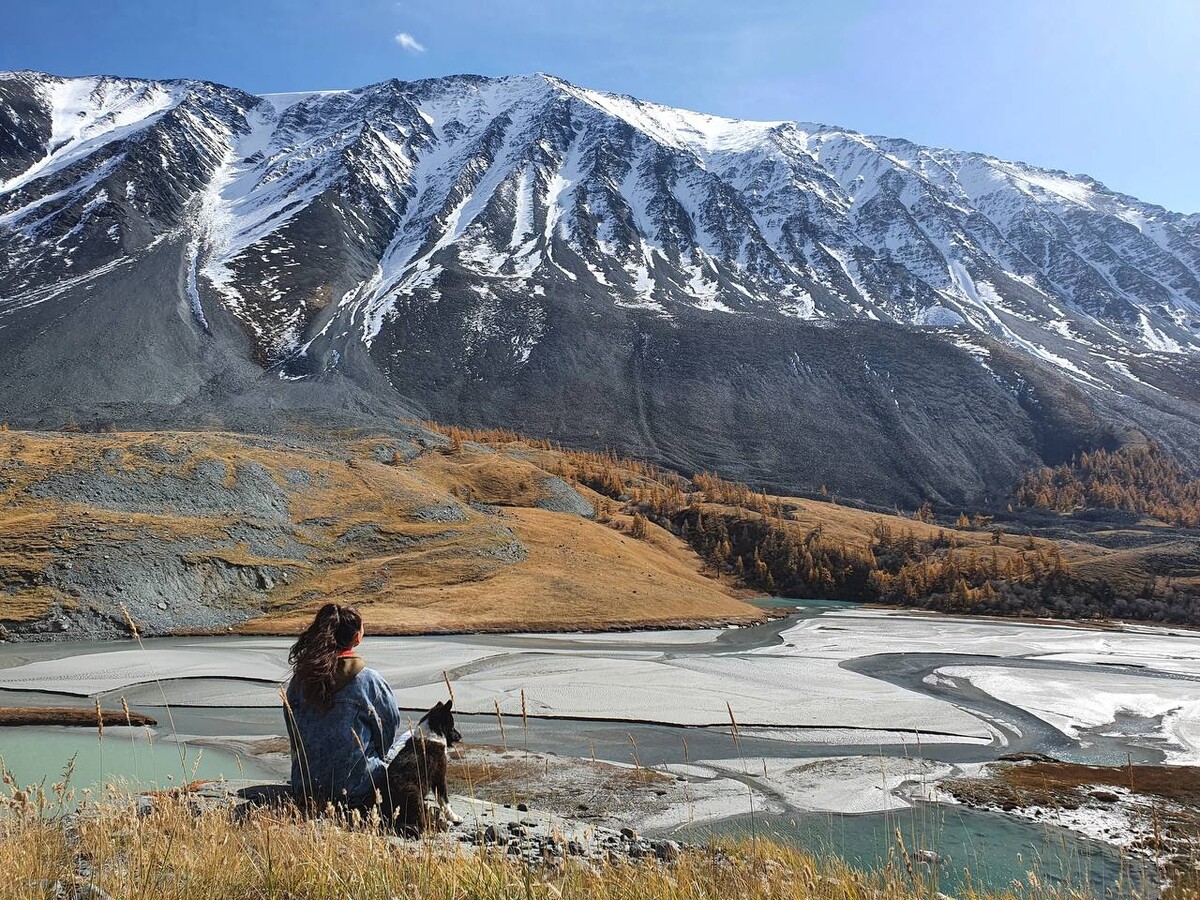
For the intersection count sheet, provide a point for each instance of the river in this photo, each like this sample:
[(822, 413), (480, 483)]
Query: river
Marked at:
[(828, 680)]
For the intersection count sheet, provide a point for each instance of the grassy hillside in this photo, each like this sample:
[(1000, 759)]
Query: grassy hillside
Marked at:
[(441, 529), (209, 531), (1036, 564)]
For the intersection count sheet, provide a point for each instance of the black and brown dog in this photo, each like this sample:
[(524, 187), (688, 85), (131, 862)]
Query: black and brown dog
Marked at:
[(419, 768)]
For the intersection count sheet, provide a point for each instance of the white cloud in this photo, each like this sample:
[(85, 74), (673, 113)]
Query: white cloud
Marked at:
[(408, 42)]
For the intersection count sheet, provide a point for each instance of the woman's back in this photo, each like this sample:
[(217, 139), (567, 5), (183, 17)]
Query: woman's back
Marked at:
[(342, 717), (337, 753)]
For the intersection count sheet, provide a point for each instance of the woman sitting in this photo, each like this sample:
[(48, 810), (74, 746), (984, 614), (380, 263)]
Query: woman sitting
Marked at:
[(342, 717)]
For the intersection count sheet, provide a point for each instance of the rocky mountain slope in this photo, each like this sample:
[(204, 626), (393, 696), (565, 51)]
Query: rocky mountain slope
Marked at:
[(442, 530), (792, 304), (208, 531)]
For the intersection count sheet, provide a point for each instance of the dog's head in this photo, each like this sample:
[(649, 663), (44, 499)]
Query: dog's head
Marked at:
[(440, 721)]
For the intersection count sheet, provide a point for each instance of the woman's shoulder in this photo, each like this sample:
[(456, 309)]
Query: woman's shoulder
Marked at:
[(375, 684), (354, 672), (373, 676)]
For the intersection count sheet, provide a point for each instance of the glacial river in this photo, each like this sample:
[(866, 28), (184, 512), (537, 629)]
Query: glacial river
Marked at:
[(657, 698)]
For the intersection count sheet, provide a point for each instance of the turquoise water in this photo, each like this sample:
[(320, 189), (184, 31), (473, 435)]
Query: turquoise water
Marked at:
[(997, 851), (128, 755)]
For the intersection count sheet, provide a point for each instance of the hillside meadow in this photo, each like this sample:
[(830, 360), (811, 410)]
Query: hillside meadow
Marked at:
[(436, 529)]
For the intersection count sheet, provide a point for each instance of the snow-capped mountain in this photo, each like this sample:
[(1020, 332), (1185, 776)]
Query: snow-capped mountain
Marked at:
[(484, 244)]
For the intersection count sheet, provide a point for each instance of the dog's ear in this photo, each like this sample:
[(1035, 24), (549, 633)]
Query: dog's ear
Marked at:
[(437, 708), (450, 704)]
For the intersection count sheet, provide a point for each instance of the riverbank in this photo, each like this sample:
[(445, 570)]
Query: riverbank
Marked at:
[(1152, 811), (665, 799), (836, 720), (185, 844), (71, 716)]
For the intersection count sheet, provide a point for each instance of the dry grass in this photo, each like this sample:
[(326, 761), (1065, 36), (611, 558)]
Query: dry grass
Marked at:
[(484, 477), (366, 536), (1125, 570), (366, 541), (1163, 799), (577, 575), (1053, 781), (181, 851), (29, 604)]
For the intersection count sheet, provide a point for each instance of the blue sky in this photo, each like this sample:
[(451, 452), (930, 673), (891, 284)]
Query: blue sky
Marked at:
[(1098, 86)]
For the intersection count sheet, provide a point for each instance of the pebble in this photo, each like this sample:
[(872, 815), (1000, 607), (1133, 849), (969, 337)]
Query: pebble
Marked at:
[(537, 839), (667, 851)]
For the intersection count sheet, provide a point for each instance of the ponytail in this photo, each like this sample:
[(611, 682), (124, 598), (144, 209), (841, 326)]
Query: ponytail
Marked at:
[(314, 655)]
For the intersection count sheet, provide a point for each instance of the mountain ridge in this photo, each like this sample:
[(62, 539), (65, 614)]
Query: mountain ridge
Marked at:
[(508, 251), (838, 127)]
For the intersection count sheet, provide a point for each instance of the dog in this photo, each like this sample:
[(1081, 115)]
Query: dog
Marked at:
[(419, 767)]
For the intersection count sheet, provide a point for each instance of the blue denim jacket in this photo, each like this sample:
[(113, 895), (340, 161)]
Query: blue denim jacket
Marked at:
[(338, 753)]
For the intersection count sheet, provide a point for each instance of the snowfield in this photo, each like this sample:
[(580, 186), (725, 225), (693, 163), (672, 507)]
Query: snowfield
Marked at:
[(715, 214)]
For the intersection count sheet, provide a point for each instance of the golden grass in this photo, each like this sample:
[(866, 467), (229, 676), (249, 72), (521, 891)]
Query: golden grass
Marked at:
[(578, 574), (29, 604), (367, 539), (360, 520), (1045, 781), (180, 851), (484, 477)]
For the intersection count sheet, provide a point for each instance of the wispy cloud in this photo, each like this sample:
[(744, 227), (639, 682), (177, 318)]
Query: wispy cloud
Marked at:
[(408, 42)]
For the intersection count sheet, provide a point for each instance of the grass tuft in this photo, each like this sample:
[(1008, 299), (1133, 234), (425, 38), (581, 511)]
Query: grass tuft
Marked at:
[(182, 850)]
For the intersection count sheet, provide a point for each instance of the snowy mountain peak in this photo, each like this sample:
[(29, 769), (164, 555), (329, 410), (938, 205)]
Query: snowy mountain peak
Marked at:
[(329, 212), (789, 303)]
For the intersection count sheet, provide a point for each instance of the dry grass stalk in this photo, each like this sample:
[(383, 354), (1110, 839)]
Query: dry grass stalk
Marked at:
[(180, 850)]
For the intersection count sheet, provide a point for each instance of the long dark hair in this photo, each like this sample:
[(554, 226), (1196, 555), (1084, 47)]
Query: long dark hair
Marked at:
[(314, 655)]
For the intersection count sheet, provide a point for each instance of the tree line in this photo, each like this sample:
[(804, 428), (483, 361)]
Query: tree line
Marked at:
[(753, 537), (1142, 480)]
